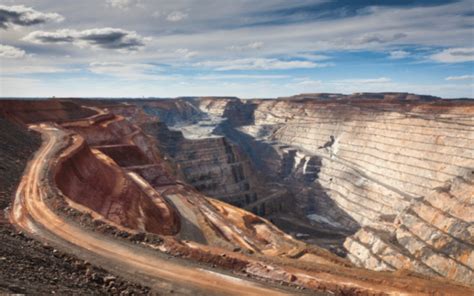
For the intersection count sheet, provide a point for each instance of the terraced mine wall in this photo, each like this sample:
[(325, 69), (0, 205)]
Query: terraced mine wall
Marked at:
[(213, 165), (380, 165), (379, 168), (77, 156), (114, 195), (107, 170), (391, 172), (104, 174), (211, 160), (172, 111)]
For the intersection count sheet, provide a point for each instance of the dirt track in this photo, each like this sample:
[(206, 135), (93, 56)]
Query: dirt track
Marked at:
[(31, 213)]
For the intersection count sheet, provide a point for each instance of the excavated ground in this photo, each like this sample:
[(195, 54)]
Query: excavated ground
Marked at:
[(385, 179), (98, 183), (28, 266)]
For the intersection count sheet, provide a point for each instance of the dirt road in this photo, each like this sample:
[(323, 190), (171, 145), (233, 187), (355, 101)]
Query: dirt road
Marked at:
[(31, 213)]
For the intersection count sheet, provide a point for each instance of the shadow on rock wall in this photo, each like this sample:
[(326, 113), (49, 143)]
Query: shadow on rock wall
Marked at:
[(307, 196)]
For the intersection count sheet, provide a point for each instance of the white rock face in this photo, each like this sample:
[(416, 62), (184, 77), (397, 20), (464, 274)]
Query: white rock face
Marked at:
[(382, 170), (380, 165), (211, 164), (397, 173)]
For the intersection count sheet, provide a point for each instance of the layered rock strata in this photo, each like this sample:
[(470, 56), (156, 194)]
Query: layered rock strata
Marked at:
[(213, 165), (370, 162), (115, 195), (140, 192), (139, 189)]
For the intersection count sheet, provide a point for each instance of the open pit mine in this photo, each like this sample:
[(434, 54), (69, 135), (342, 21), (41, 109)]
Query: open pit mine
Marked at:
[(317, 194)]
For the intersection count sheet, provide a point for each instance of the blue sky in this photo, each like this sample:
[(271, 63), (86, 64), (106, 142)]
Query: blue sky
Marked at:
[(245, 48)]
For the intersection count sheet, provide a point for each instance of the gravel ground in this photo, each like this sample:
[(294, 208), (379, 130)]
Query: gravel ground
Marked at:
[(31, 267)]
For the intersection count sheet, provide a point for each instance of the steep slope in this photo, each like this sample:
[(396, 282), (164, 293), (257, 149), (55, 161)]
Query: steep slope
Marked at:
[(101, 188), (212, 165), (29, 266), (369, 162), (375, 163)]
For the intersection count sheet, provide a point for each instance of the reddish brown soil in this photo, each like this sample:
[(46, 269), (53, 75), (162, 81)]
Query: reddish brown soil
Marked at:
[(98, 183), (108, 191), (124, 155), (31, 267), (31, 111)]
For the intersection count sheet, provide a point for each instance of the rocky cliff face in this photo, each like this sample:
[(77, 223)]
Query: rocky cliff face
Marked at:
[(393, 169), (214, 166), (433, 235), (390, 175)]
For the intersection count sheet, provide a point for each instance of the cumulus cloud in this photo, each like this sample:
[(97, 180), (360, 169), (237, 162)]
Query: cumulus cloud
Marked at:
[(112, 38), (107, 38), (10, 52), (462, 77), (258, 64), (20, 15), (398, 54), (60, 36), (381, 29), (222, 34), (454, 55), (176, 16)]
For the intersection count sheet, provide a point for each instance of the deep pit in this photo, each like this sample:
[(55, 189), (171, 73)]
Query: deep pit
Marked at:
[(381, 181), (384, 179)]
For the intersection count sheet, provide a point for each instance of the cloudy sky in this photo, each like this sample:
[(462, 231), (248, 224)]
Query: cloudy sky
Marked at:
[(246, 48)]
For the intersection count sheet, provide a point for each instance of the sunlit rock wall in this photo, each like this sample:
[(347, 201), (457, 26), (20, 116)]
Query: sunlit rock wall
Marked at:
[(379, 163), (212, 165), (395, 169)]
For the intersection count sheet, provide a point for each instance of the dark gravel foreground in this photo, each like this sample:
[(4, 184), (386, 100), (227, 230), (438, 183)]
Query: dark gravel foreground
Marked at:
[(28, 266)]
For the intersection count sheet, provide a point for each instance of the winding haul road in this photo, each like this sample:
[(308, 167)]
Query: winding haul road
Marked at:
[(32, 214)]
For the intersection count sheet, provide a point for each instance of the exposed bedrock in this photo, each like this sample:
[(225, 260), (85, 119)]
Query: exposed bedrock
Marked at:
[(369, 165), (119, 172), (433, 235), (212, 165), (173, 112), (210, 159), (104, 165), (89, 179)]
